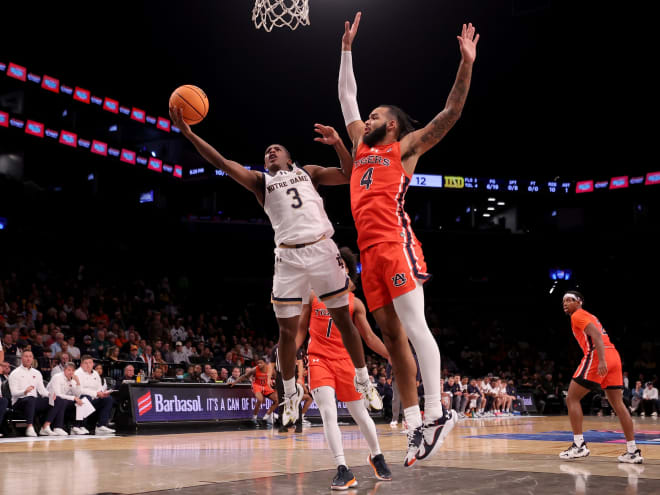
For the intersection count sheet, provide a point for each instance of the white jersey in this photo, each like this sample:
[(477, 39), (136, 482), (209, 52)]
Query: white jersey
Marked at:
[(295, 207)]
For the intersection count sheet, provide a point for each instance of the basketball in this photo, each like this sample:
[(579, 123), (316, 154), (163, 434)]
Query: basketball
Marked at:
[(193, 101)]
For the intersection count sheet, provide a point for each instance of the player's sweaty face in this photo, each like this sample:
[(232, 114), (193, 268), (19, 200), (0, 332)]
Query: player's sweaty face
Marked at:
[(276, 157)]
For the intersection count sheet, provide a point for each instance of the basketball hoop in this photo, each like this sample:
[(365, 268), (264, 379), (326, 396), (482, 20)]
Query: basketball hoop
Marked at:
[(279, 13)]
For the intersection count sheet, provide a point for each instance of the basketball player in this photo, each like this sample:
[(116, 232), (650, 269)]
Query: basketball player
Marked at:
[(331, 374), (305, 255), (386, 149), (261, 388), (599, 369)]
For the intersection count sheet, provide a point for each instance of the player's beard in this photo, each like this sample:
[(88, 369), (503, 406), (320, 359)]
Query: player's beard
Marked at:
[(376, 134)]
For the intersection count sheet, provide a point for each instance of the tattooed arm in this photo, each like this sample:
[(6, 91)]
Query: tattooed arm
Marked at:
[(419, 142)]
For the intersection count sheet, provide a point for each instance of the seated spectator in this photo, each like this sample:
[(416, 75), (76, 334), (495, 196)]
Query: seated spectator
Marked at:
[(129, 374), (87, 347), (385, 391), (56, 346), (179, 374), (160, 362), (92, 388), (224, 375), (179, 355), (106, 383), (28, 393), (213, 376), (196, 375), (476, 399), (74, 352), (235, 373), (62, 358), (65, 387), (650, 400), (156, 374), (228, 362), (206, 377), (101, 344), (636, 398), (133, 355), (147, 359), (113, 353)]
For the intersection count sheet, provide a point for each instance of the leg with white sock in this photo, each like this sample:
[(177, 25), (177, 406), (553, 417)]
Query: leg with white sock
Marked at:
[(366, 424), (409, 308), (325, 400)]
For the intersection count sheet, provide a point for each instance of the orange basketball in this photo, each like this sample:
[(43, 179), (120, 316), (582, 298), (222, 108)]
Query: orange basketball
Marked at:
[(193, 101)]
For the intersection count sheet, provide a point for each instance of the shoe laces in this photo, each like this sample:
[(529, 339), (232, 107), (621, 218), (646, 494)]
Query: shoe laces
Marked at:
[(415, 437)]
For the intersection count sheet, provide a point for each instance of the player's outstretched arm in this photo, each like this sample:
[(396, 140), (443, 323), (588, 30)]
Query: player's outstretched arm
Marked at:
[(367, 334), (249, 179), (347, 85), (331, 176), (419, 142), (248, 373)]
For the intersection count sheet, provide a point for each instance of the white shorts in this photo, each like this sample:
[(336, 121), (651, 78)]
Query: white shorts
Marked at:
[(317, 267)]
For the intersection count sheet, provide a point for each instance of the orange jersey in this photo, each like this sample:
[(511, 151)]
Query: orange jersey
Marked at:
[(378, 188), (324, 337), (579, 321), (261, 377)]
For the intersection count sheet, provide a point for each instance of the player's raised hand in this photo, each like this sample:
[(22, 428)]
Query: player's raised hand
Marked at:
[(176, 114), (350, 30), (328, 134), (468, 43)]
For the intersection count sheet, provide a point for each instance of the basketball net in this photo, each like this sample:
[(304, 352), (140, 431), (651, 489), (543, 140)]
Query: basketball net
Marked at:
[(279, 13)]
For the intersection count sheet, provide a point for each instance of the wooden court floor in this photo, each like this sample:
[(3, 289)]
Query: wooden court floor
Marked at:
[(496, 455)]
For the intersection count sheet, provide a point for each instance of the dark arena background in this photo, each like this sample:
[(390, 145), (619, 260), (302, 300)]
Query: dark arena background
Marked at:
[(113, 227)]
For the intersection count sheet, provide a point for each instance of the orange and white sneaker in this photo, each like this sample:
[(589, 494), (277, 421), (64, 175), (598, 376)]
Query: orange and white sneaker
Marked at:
[(344, 479)]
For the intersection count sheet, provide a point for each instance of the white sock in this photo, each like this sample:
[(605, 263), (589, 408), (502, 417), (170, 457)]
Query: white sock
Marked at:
[(578, 440), (362, 374), (325, 400), (254, 416), (367, 426), (289, 387), (413, 416), (631, 446), (410, 309)]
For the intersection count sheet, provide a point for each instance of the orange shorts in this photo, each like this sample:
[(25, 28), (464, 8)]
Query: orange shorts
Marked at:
[(265, 390), (335, 373), (389, 270), (587, 373)]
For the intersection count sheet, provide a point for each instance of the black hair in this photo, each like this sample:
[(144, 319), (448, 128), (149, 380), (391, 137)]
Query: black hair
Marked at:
[(405, 122), (351, 262), (576, 294), (283, 147)]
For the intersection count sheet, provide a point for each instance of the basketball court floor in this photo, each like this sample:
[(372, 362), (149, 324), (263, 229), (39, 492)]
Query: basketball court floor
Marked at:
[(515, 455)]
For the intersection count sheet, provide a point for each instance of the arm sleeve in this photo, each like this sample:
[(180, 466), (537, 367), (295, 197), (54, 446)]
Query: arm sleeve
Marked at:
[(348, 89)]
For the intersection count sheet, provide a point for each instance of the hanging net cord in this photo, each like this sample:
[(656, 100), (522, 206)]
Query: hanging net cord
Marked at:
[(280, 13)]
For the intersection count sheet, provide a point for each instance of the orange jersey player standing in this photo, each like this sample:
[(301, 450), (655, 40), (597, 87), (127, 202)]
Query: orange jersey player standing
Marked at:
[(600, 368), (261, 388), (386, 149), (331, 374)]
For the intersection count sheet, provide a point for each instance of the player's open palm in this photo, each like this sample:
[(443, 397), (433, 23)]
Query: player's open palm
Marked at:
[(350, 30), (468, 43), (328, 134)]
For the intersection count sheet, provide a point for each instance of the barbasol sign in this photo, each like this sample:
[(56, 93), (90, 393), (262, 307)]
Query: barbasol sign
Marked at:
[(193, 402)]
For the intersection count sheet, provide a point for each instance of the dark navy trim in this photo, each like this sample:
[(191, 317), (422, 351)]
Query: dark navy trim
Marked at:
[(286, 299), (335, 292), (408, 239)]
